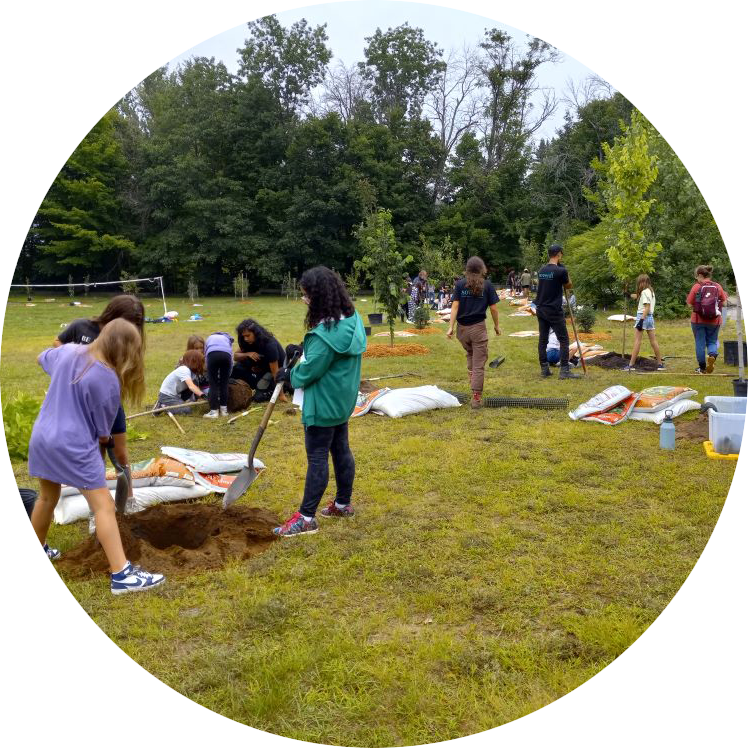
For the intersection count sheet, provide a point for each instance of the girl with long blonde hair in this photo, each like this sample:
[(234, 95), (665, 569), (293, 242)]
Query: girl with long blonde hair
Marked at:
[(644, 292), (86, 387)]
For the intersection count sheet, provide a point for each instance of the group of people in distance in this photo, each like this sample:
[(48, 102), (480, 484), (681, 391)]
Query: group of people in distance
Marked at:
[(521, 282), (214, 362), (96, 364)]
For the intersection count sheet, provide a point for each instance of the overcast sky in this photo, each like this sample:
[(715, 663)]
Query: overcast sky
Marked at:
[(349, 23)]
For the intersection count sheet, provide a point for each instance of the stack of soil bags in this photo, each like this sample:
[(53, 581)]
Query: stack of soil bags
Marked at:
[(179, 474)]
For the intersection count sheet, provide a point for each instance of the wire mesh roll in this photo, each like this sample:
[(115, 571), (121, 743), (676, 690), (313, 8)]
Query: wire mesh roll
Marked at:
[(495, 402)]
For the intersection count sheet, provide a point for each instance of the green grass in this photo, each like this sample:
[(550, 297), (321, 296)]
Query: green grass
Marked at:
[(497, 560)]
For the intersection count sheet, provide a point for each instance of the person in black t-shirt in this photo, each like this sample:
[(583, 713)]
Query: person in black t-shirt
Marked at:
[(553, 278), (86, 330), (471, 297), (259, 359)]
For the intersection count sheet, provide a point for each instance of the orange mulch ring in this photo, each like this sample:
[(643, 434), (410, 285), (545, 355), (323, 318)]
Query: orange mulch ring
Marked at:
[(400, 350), (420, 331), (594, 336)]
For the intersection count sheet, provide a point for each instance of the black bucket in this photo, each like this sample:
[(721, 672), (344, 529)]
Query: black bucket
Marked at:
[(375, 319), (732, 352), (368, 330), (740, 387), (29, 498)]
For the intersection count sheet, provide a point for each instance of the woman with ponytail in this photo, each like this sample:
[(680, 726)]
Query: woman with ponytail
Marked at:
[(472, 295)]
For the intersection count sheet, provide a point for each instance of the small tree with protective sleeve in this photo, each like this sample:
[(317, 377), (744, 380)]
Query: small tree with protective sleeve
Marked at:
[(382, 263)]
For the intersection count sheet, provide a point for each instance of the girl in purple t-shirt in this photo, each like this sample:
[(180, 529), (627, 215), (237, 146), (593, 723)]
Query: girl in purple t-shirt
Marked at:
[(218, 368), (81, 402)]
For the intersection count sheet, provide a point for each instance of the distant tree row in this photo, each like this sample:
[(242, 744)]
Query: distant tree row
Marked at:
[(200, 174)]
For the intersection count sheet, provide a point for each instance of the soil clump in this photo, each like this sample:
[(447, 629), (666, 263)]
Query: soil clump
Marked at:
[(613, 361)]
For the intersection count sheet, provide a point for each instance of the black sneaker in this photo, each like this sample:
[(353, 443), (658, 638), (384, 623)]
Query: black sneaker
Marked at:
[(699, 371)]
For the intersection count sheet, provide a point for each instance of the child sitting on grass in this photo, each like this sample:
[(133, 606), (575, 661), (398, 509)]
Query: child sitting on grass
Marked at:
[(87, 383), (181, 384)]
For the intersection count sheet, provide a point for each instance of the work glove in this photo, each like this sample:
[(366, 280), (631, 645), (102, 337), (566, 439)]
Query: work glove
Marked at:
[(283, 375)]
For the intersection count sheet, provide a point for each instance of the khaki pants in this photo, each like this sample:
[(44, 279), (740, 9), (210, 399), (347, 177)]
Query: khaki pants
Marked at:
[(474, 340)]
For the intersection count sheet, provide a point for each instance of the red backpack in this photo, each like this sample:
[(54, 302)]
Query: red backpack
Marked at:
[(706, 302)]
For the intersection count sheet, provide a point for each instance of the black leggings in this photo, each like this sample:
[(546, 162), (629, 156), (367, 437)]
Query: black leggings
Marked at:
[(319, 442), (218, 367), (555, 321)]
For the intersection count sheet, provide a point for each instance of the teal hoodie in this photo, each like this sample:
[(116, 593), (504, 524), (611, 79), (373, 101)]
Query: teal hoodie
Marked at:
[(331, 371)]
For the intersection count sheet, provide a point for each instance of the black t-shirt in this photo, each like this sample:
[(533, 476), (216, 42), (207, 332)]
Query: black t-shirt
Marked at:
[(270, 351), (80, 331), (473, 309), (552, 279)]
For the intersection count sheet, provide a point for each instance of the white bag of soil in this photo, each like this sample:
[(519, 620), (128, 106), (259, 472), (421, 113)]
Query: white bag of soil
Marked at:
[(658, 416), (399, 402), (74, 508)]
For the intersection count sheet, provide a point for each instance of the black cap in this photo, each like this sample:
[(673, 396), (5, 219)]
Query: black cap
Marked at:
[(554, 250)]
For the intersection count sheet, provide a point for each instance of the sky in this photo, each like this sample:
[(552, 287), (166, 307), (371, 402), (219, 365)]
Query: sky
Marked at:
[(349, 23)]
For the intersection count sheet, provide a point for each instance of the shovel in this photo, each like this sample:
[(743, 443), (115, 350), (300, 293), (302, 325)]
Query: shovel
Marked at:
[(247, 476), (122, 488), (497, 361)]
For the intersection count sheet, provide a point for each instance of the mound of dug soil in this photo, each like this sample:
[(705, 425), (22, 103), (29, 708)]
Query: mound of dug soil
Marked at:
[(613, 361), (694, 430), (180, 538), (403, 350)]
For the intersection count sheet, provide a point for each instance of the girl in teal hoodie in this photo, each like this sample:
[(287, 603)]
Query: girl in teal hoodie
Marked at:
[(328, 375)]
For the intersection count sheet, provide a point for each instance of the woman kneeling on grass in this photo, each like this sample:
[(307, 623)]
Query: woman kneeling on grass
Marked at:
[(84, 394), (328, 374), (471, 298)]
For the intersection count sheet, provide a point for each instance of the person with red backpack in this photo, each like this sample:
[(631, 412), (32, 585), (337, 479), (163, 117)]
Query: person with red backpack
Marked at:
[(707, 299)]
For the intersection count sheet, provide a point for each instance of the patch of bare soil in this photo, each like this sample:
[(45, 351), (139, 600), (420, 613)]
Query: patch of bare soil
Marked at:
[(613, 361), (694, 430)]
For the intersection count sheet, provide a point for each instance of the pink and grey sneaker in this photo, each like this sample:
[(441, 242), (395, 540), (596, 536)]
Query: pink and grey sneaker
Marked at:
[(296, 526), (333, 511), (52, 552)]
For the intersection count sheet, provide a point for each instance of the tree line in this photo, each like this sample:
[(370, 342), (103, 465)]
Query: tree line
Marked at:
[(199, 174)]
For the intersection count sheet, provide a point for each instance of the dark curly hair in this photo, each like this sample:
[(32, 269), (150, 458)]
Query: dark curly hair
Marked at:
[(262, 336), (475, 273), (329, 300)]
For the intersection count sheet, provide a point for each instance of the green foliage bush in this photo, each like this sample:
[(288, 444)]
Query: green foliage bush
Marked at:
[(421, 316), (19, 416), (586, 318)]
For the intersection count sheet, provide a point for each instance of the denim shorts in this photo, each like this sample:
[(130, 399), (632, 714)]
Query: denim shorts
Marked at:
[(648, 323)]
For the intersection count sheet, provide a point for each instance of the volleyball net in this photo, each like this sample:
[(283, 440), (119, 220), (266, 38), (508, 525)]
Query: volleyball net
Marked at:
[(121, 286)]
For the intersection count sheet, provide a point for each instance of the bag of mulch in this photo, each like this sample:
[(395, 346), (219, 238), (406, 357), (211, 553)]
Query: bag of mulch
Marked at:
[(365, 400), (402, 401), (660, 397), (658, 416), (71, 508), (240, 394), (221, 482), (615, 414), (155, 472), (602, 402)]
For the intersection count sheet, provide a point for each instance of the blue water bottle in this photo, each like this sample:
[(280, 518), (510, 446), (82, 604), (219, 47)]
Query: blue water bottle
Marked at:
[(667, 432)]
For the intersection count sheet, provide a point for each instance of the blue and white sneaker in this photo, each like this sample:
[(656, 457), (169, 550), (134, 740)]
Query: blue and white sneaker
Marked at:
[(52, 553), (297, 525), (132, 578)]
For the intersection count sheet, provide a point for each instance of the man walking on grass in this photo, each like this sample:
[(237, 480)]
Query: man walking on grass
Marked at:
[(553, 278)]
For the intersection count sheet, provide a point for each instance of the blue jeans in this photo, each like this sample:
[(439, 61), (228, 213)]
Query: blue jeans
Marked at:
[(706, 337)]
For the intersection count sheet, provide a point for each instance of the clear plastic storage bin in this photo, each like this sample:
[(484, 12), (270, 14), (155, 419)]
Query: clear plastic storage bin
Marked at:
[(725, 425)]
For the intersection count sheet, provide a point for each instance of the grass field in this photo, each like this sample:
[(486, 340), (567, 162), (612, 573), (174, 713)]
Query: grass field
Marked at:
[(498, 559)]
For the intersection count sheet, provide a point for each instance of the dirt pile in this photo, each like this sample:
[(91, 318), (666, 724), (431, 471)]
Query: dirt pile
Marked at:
[(694, 430), (400, 350), (180, 538), (613, 361), (423, 331)]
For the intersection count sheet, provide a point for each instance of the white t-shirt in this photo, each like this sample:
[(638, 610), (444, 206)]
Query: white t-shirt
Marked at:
[(553, 342), (647, 298), (174, 383)]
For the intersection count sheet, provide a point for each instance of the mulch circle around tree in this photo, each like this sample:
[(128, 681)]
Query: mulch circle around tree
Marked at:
[(399, 350), (613, 361), (179, 538)]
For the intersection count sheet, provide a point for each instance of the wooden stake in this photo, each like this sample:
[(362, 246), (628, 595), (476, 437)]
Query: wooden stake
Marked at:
[(177, 424), (244, 413), (575, 331), (161, 409)]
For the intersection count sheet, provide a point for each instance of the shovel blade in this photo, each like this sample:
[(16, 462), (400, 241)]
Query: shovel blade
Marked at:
[(497, 361), (239, 487), (122, 490)]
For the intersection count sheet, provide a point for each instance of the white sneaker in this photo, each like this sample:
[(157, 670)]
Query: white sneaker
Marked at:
[(223, 411), (213, 414)]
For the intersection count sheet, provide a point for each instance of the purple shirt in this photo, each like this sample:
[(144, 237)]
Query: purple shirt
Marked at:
[(64, 445), (219, 342)]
